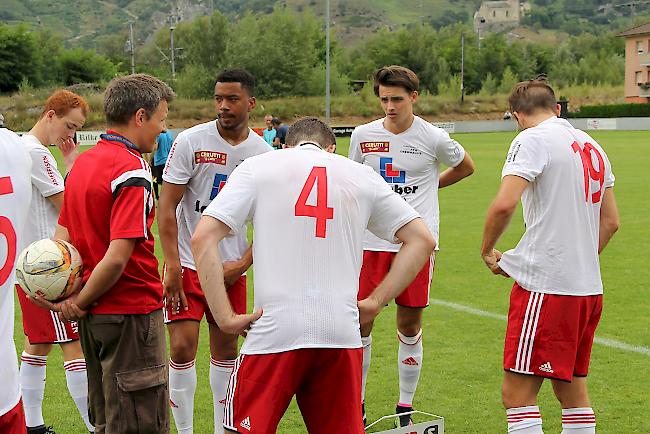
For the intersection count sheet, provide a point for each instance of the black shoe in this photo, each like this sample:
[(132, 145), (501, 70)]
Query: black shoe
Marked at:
[(404, 420), (42, 429), (363, 413)]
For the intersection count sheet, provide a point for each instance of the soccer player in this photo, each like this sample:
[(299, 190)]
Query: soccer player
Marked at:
[(406, 151), (15, 195), (64, 113), (565, 182), (304, 339), (107, 215), (200, 162)]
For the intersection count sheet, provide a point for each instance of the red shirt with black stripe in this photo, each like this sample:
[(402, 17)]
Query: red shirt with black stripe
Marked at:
[(107, 197)]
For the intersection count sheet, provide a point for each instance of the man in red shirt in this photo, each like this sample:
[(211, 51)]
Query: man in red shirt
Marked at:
[(107, 215)]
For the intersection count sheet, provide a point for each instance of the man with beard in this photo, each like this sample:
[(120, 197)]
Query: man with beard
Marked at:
[(200, 161)]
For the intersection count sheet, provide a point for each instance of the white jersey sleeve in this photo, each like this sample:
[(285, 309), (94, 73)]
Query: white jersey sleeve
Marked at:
[(180, 162), (354, 153), (448, 151), (526, 158), (234, 204), (389, 211), (45, 174)]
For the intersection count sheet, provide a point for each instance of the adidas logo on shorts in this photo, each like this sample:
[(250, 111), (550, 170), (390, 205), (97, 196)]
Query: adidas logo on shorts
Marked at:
[(246, 423), (546, 367)]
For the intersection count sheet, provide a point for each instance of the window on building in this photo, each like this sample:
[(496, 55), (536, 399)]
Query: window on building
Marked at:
[(639, 47), (639, 77)]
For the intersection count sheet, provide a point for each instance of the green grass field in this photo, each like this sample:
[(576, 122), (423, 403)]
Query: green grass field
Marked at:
[(462, 369)]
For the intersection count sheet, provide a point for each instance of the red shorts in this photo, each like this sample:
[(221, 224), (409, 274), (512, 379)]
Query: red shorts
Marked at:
[(374, 269), (13, 421), (550, 335), (326, 382), (42, 326), (198, 305)]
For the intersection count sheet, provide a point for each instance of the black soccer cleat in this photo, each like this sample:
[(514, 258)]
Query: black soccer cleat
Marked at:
[(404, 419), (363, 414), (41, 429)]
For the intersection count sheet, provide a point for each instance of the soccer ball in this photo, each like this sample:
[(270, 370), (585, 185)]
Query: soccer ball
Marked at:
[(49, 268)]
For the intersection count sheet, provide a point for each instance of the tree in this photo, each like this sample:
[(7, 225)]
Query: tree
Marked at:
[(17, 46)]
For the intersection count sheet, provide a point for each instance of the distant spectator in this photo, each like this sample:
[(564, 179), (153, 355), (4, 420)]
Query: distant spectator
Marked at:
[(269, 131), (164, 143), (507, 115), (280, 133), (2, 121)]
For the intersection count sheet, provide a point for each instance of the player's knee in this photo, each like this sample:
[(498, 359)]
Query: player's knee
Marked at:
[(182, 350), (513, 397), (37, 349), (225, 350)]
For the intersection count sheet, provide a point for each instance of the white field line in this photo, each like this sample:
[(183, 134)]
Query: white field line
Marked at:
[(612, 343)]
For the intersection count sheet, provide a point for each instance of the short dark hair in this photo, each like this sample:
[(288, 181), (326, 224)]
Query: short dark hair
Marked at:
[(310, 129), (126, 95), (276, 121), (532, 95), (238, 75), (395, 76)]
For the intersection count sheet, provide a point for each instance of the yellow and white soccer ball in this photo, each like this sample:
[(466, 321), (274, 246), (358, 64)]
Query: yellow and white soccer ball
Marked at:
[(49, 268)]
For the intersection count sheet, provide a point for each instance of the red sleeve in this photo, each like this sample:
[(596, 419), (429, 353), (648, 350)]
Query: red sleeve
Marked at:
[(129, 213)]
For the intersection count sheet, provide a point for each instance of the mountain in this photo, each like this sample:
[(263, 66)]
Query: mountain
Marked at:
[(86, 23)]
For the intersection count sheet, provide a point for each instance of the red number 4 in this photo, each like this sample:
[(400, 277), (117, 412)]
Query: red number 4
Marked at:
[(321, 212), (590, 172), (7, 230)]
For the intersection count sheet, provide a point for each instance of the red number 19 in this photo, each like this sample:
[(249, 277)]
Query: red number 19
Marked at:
[(7, 230), (321, 212), (590, 172)]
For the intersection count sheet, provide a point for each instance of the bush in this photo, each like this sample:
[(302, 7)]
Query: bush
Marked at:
[(612, 111)]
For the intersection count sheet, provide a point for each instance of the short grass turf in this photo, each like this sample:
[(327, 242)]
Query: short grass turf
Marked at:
[(462, 368)]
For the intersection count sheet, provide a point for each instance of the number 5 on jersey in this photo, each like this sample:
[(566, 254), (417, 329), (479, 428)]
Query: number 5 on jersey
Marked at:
[(321, 212)]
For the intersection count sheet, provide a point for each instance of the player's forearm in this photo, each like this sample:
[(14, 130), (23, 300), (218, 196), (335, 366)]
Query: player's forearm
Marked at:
[(496, 222), (606, 232), (168, 232), (407, 264), (454, 174), (209, 268), (61, 233)]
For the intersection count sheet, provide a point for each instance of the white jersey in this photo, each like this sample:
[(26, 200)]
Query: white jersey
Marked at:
[(46, 181), (15, 195), (203, 160), (410, 163), (309, 209), (568, 173)]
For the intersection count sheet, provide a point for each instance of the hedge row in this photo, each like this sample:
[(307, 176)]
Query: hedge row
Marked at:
[(612, 111)]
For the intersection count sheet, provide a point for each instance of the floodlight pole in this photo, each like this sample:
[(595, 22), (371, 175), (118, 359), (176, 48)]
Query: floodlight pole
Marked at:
[(327, 62), (132, 47), (462, 68), (172, 49)]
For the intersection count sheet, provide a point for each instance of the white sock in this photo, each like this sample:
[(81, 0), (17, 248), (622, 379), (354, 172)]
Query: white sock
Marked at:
[(524, 420), (75, 375), (409, 365), (182, 385), (366, 342), (578, 420), (32, 387), (220, 371)]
